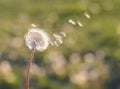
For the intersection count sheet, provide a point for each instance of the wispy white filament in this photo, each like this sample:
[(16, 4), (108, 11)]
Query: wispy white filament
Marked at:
[(37, 39), (58, 38), (87, 15), (71, 21), (33, 25), (79, 23), (64, 35)]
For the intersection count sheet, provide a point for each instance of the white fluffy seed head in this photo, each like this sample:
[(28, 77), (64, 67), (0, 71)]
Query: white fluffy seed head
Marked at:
[(37, 39)]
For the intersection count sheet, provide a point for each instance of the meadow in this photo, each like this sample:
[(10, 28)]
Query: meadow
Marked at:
[(88, 58)]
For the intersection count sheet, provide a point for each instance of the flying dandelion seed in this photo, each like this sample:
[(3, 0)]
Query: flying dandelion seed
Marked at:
[(71, 21), (33, 25), (58, 38), (87, 15), (64, 34), (79, 23), (55, 43), (51, 43), (37, 39)]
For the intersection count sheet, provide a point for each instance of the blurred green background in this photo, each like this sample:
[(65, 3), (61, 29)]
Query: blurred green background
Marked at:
[(89, 57)]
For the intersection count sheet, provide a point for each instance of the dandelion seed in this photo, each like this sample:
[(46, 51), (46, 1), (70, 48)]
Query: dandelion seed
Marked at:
[(79, 23), (60, 41), (64, 35), (33, 25), (87, 15), (37, 39), (58, 38), (51, 43), (56, 44), (72, 22)]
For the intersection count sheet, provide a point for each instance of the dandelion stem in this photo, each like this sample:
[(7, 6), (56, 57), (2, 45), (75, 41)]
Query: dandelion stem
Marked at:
[(28, 68)]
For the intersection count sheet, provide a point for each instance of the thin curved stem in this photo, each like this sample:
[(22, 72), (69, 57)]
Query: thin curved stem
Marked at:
[(28, 69)]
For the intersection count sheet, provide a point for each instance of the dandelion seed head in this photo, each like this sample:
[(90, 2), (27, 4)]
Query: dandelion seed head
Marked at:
[(37, 39), (57, 39)]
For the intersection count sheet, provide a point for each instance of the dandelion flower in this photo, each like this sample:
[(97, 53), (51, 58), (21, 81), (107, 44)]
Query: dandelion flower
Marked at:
[(37, 39)]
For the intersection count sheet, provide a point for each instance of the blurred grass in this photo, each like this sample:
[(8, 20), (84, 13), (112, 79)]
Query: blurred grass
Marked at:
[(89, 57)]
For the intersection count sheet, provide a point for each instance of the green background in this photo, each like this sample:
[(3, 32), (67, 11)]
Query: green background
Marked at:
[(88, 58)]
